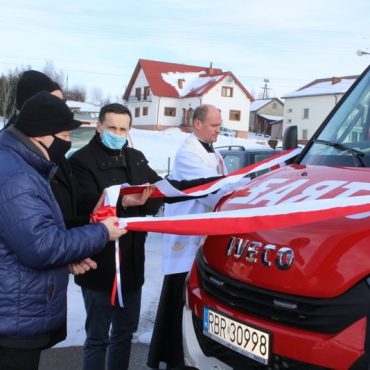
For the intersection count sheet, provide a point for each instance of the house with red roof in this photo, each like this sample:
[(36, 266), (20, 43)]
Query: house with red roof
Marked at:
[(161, 95)]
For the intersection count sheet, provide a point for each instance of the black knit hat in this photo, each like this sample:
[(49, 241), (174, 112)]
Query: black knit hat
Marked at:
[(32, 82), (45, 114)]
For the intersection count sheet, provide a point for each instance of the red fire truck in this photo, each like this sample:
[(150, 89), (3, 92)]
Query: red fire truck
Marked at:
[(295, 297)]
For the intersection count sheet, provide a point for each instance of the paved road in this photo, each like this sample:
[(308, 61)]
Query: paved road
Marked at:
[(70, 358)]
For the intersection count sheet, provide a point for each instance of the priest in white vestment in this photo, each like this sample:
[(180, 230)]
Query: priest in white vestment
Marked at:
[(196, 158)]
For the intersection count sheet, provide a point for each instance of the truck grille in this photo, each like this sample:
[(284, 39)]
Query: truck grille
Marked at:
[(324, 315)]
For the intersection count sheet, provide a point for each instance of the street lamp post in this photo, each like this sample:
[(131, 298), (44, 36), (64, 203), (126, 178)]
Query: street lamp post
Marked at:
[(360, 53)]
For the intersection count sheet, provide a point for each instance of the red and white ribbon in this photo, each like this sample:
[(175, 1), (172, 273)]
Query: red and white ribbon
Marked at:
[(203, 224), (252, 219), (108, 210), (164, 189)]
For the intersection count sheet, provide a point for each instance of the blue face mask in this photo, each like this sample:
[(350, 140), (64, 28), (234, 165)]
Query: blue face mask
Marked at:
[(113, 141)]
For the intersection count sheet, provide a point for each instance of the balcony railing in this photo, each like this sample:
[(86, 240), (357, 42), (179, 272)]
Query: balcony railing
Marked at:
[(134, 99)]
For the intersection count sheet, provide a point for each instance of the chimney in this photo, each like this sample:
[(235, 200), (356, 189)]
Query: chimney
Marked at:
[(210, 69), (180, 82), (335, 80)]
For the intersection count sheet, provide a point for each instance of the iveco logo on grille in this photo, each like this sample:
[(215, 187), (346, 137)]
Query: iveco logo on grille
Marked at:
[(257, 252)]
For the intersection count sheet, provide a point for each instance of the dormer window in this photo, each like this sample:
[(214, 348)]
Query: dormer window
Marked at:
[(180, 82)]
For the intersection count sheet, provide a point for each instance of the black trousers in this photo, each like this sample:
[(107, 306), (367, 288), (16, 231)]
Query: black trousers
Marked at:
[(166, 343), (19, 359)]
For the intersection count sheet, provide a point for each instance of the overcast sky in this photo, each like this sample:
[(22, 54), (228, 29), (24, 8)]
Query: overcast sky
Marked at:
[(97, 43)]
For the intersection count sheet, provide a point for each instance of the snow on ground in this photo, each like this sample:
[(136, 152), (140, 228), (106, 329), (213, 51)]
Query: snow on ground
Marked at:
[(158, 147), (150, 298)]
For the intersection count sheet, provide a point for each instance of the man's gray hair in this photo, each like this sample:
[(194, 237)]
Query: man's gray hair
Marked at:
[(200, 113)]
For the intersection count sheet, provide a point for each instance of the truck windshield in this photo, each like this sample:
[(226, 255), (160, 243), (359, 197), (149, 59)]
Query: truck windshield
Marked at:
[(345, 138)]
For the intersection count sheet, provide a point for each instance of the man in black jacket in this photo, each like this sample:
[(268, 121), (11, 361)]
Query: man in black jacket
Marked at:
[(105, 161)]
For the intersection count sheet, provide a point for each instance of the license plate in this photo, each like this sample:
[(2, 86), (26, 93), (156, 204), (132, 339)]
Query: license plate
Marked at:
[(247, 340)]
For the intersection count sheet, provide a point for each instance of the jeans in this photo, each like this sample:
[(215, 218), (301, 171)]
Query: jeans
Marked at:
[(109, 329)]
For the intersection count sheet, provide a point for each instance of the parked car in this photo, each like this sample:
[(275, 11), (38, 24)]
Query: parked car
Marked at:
[(237, 156), (227, 132), (80, 137)]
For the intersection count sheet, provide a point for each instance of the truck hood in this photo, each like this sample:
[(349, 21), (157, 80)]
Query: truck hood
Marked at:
[(321, 259)]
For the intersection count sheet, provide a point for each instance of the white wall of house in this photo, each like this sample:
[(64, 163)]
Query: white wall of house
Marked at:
[(308, 112), (179, 105), (151, 116), (137, 107), (239, 102)]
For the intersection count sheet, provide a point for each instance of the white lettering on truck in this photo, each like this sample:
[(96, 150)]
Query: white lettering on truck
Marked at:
[(268, 194)]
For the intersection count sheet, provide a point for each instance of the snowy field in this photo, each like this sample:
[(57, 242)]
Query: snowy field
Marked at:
[(160, 149)]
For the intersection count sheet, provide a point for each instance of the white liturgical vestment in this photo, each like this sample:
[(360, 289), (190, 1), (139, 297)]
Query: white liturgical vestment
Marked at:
[(192, 161)]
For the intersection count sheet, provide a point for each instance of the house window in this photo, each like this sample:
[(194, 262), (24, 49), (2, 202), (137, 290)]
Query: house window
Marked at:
[(137, 112), (227, 91), (138, 93), (170, 112), (234, 115), (306, 113), (274, 105), (305, 134), (145, 111), (146, 92)]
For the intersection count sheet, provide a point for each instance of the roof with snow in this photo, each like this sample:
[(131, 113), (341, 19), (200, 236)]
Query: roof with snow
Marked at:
[(84, 112), (259, 103), (271, 118), (179, 80), (324, 86), (82, 106)]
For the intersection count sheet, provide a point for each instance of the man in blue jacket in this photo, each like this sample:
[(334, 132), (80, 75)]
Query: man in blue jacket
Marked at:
[(35, 247)]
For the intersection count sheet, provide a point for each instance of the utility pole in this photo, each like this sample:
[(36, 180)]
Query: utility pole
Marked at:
[(265, 94)]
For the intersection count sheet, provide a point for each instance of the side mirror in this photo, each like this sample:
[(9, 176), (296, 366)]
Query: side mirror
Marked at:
[(290, 139)]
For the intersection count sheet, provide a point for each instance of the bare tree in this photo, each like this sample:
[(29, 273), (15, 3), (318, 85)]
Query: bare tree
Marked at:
[(77, 93), (8, 85), (96, 96), (118, 99), (51, 71), (106, 100)]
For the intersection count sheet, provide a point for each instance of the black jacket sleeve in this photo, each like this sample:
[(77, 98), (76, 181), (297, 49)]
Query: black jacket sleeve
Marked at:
[(187, 184)]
